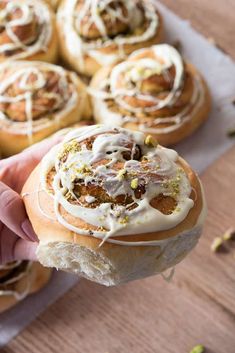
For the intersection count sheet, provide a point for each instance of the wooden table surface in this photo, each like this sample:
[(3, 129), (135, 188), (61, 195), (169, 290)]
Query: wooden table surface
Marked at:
[(152, 316)]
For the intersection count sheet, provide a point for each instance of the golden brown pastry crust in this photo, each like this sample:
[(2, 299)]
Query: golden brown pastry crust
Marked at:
[(90, 65), (44, 227), (14, 133), (135, 121), (47, 50)]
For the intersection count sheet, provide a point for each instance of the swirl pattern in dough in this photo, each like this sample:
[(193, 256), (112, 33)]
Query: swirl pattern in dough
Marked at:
[(37, 99), (96, 33), (153, 91), (27, 31)]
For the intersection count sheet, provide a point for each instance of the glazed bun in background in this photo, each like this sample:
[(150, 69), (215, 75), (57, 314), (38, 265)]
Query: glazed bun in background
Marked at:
[(19, 279), (99, 33), (28, 31), (111, 205), (37, 99), (153, 91)]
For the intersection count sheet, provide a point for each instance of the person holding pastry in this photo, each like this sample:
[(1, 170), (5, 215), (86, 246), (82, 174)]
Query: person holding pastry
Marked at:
[(106, 203), (20, 273)]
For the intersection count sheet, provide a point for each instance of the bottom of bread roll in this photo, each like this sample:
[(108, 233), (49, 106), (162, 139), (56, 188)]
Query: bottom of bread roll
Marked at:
[(116, 264)]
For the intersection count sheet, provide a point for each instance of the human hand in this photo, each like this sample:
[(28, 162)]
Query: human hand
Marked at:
[(17, 238)]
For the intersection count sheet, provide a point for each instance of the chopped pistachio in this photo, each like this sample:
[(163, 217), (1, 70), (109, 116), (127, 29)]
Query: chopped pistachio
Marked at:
[(121, 174), (134, 183), (124, 220), (212, 41), (174, 184), (178, 209), (61, 155), (198, 349), (217, 244), (84, 169), (229, 234), (72, 146), (150, 141), (178, 178)]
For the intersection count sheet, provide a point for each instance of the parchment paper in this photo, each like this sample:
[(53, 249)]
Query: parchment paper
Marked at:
[(201, 149)]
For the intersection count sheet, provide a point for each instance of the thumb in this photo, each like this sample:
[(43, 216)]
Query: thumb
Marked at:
[(25, 250), (13, 213)]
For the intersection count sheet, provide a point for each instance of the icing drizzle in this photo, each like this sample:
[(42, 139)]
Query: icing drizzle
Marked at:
[(23, 15), (148, 106), (139, 23), (42, 93), (111, 178)]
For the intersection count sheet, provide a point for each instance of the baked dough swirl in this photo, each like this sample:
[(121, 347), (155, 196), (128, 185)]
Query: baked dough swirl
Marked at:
[(116, 196), (27, 31), (97, 33), (18, 280), (153, 91), (37, 99)]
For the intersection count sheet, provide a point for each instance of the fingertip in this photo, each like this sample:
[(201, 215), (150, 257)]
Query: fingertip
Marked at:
[(25, 250)]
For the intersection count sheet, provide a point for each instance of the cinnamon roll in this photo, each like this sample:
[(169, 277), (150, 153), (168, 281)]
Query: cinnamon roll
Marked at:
[(27, 31), (97, 33), (37, 99), (113, 206), (153, 91), (18, 280)]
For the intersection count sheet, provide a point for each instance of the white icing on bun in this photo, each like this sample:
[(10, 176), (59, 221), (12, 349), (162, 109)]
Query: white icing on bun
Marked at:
[(153, 173), (27, 31), (112, 205), (153, 91), (100, 33), (37, 99)]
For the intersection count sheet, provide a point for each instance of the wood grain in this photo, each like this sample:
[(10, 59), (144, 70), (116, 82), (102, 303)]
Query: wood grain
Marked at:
[(151, 316), (214, 19)]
